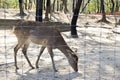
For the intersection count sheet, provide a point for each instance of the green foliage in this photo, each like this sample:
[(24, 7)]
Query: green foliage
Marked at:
[(91, 7), (9, 4)]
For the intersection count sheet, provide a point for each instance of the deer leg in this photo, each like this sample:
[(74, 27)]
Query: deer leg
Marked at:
[(24, 50), (51, 55), (17, 47), (41, 51)]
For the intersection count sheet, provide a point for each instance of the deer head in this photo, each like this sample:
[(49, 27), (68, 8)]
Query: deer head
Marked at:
[(73, 60)]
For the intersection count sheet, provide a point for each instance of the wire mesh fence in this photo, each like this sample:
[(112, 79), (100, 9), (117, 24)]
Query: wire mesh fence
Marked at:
[(97, 49)]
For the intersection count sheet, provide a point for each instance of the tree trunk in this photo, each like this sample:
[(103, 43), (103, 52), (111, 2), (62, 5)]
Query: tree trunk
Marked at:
[(103, 10), (30, 5), (61, 5), (39, 8), (117, 6), (58, 5), (44, 7), (26, 4), (85, 6), (53, 6), (98, 6), (47, 10), (103, 13), (112, 8), (74, 19), (65, 6), (21, 8), (73, 5)]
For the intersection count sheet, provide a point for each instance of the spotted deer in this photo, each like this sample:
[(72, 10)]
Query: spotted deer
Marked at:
[(46, 36)]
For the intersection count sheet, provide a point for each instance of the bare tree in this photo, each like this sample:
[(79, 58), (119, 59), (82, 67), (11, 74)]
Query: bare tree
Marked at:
[(28, 4), (65, 6), (117, 6), (61, 5), (113, 5), (44, 7), (39, 8), (74, 19), (53, 5), (48, 7), (85, 6), (103, 13), (73, 5), (21, 8), (98, 6)]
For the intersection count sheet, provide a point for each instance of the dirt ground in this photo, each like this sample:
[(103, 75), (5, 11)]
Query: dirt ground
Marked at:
[(98, 52)]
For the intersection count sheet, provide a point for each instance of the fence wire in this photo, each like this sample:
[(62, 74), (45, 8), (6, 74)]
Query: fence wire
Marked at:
[(97, 49)]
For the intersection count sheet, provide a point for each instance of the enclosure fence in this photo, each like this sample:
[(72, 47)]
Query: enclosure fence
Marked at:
[(97, 49)]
